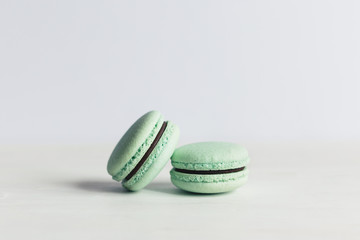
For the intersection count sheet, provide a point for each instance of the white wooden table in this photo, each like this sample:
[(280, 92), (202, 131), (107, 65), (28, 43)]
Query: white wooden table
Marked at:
[(295, 191)]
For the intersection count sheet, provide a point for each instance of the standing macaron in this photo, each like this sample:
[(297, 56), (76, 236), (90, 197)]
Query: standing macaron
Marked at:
[(143, 151), (209, 167)]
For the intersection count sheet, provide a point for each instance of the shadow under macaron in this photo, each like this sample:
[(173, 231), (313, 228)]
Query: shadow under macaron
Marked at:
[(101, 186)]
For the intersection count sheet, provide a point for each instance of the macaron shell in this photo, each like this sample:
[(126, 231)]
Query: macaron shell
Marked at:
[(157, 159), (214, 183), (210, 156), (133, 145)]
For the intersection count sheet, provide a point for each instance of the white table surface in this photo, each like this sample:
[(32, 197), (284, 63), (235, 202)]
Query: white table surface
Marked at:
[(295, 191)]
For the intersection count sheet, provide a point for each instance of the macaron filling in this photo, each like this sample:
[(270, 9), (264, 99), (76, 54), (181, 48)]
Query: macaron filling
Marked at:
[(148, 152), (209, 172)]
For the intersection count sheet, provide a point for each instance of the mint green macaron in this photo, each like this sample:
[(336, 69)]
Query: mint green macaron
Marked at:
[(143, 151), (209, 167)]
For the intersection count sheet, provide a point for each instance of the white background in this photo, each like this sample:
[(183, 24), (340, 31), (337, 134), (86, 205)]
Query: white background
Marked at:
[(83, 71), (280, 77)]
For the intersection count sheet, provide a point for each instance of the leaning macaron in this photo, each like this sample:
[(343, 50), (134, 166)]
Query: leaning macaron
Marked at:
[(209, 167), (143, 151)]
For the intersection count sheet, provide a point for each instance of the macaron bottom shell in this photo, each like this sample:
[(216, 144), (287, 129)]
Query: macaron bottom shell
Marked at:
[(213, 183), (156, 160)]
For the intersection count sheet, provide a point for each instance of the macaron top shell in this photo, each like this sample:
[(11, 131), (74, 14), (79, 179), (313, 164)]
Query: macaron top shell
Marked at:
[(133, 145), (210, 156)]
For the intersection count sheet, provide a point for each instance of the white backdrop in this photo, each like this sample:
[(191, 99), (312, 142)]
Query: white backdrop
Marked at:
[(83, 71)]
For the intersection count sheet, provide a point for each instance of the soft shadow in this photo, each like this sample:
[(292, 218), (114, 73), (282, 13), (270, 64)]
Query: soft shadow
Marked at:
[(164, 187), (100, 186), (115, 187)]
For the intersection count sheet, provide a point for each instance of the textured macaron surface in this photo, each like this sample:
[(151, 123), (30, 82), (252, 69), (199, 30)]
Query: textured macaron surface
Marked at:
[(210, 156), (156, 160), (211, 178), (133, 145), (216, 183), (209, 167)]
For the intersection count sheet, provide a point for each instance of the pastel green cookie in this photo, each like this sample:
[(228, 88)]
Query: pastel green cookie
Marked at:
[(143, 151), (209, 167)]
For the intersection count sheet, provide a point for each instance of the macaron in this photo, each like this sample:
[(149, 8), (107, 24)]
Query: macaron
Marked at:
[(209, 167), (143, 151)]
